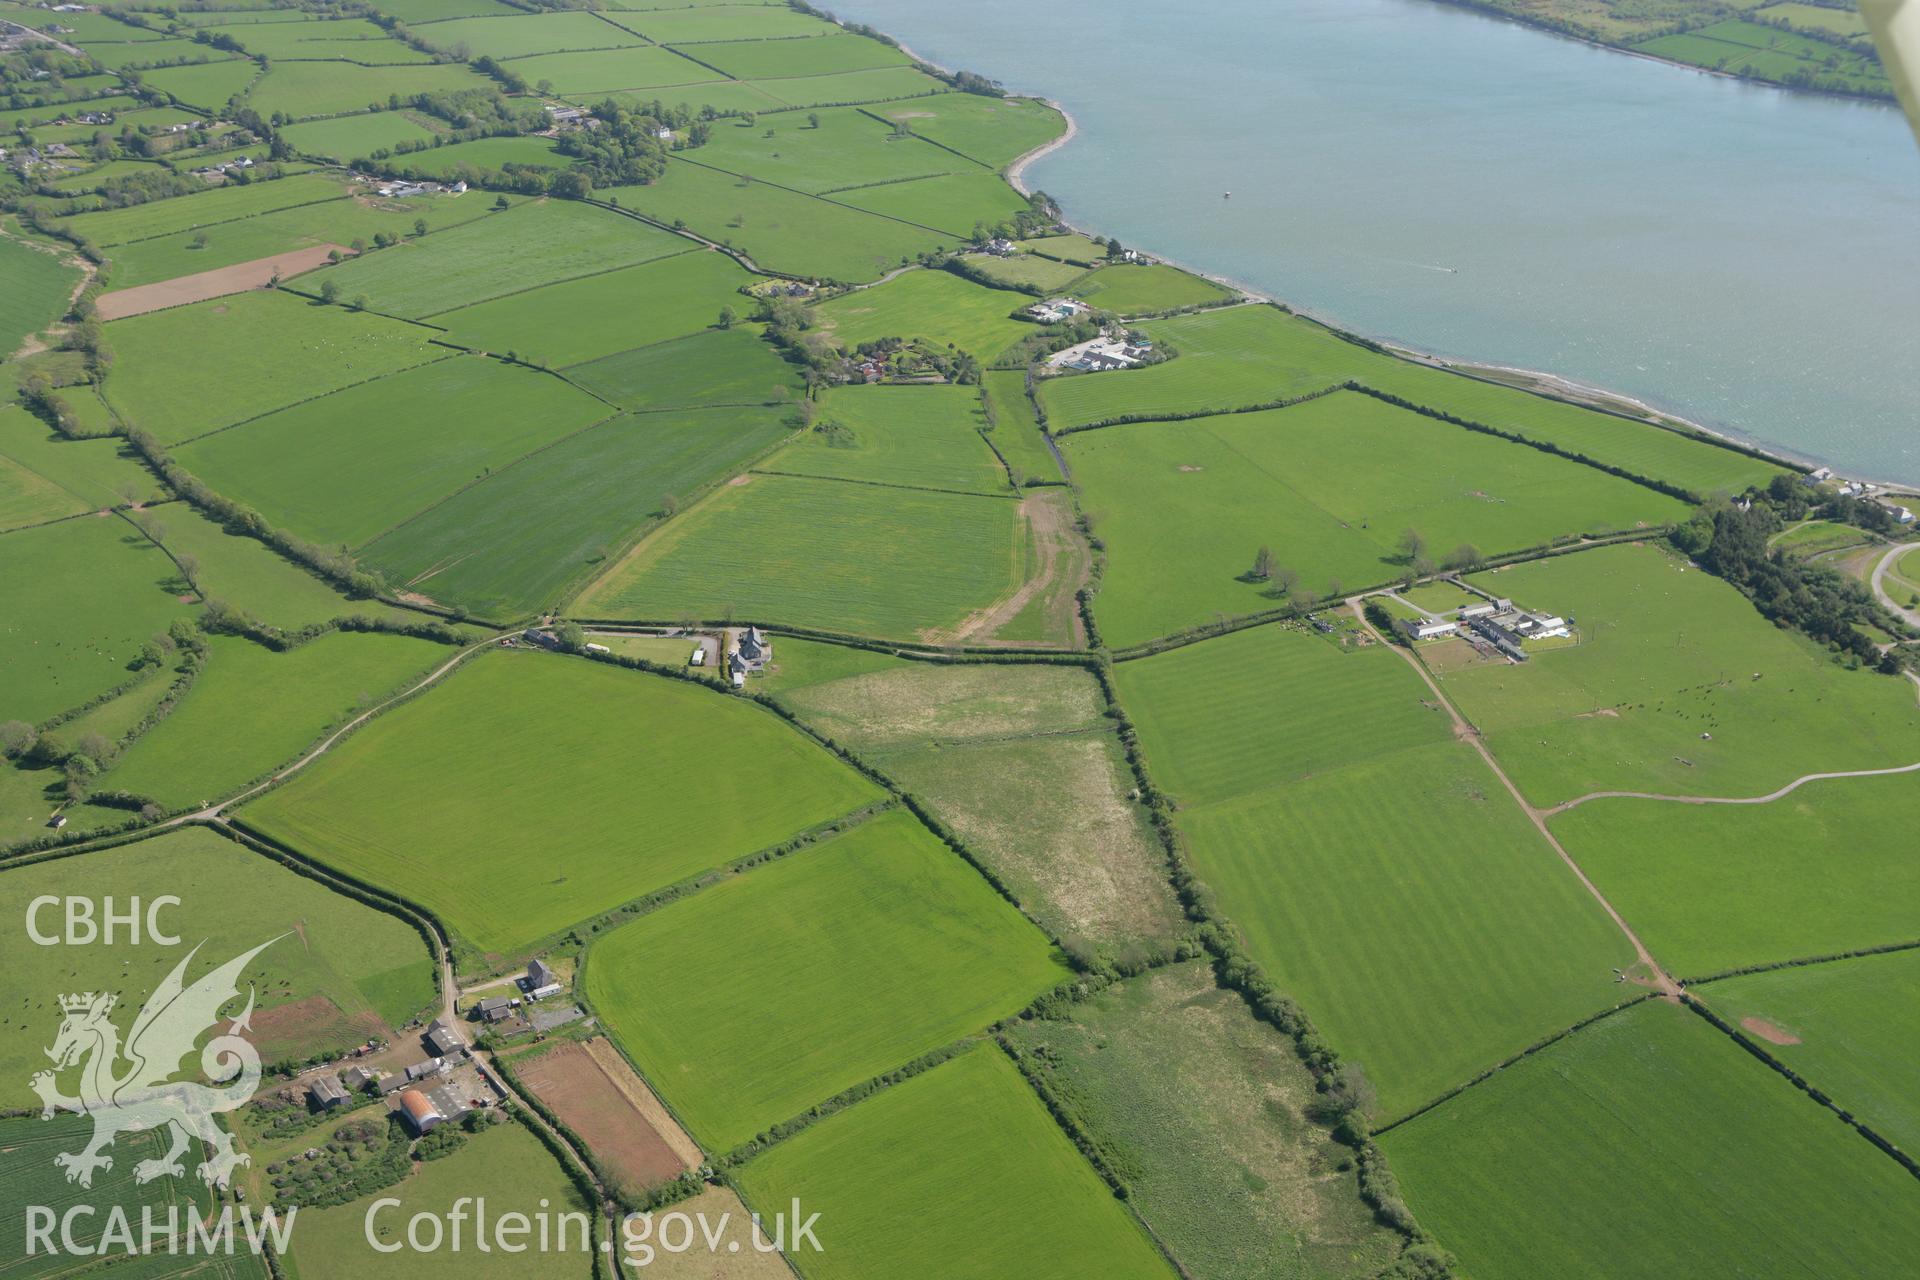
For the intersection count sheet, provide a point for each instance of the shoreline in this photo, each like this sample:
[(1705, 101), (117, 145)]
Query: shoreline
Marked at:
[(1518, 20), (1539, 381), (1536, 381)]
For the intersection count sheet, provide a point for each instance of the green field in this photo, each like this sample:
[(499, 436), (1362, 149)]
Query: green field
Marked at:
[(350, 137), (506, 1165), (424, 11), (472, 160), (1028, 269), (1369, 862), (781, 230), (730, 366), (1082, 887), (276, 350), (956, 1173), (675, 24), (1840, 22), (350, 39), (992, 131), (1678, 686), (599, 315), (356, 968), (881, 84), (1748, 48), (305, 89), (919, 437), (548, 241), (592, 73), (1138, 290), (209, 85), (801, 664), (848, 148), (433, 798), (249, 575), (1714, 887), (1270, 705), (98, 176), (520, 36), (28, 1148), (941, 307), (38, 285), (28, 498), (809, 552), (111, 227), (513, 543), (1852, 1028), (336, 222), (82, 597), (1380, 896), (1575, 1162), (1241, 356), (820, 970), (87, 28), (121, 714), (954, 204), (778, 59), (345, 468), (1440, 596), (1203, 1112), (1329, 485), (721, 95), (1816, 537), (252, 710), (12, 118), (98, 473), (1022, 763), (1016, 435), (149, 53)]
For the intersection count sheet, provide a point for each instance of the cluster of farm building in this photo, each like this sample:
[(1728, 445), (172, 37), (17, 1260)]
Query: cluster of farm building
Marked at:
[(446, 1083)]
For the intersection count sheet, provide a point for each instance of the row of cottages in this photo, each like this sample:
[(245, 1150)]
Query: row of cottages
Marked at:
[(1856, 489)]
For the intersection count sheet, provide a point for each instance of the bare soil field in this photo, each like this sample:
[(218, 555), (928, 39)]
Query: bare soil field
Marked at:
[(302, 1028), (1768, 1031), (593, 1090), (218, 283)]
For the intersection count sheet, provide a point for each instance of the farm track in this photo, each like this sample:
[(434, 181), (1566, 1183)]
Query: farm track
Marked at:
[(216, 813), (1055, 552), (1463, 730), (1769, 798), (1879, 580)]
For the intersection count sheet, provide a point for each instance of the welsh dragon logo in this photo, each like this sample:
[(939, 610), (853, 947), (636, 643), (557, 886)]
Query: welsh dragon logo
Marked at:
[(143, 1095)]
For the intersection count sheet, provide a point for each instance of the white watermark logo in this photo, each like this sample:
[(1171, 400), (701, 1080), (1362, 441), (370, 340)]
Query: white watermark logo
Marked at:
[(129, 1088)]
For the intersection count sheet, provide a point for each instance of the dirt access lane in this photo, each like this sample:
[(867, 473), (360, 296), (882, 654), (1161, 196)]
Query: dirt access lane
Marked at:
[(1063, 561)]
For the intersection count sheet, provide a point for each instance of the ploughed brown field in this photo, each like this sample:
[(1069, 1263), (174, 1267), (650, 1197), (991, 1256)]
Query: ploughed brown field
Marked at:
[(597, 1095)]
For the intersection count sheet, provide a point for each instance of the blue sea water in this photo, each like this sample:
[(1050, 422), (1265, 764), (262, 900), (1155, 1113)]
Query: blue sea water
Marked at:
[(1743, 256)]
